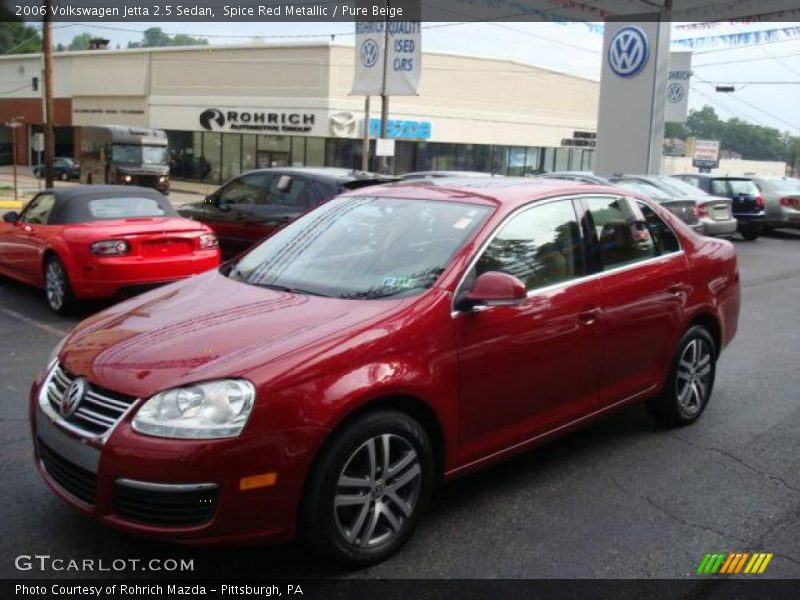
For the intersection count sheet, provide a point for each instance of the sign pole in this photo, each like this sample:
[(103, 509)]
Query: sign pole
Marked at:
[(47, 51), (384, 96), (14, 126), (365, 147)]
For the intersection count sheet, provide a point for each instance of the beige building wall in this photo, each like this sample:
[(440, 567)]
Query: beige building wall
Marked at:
[(478, 100)]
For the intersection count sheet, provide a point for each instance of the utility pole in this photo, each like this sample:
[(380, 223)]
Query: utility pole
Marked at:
[(384, 97), (47, 51), (14, 124)]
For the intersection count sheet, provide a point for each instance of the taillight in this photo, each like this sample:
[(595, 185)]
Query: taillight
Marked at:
[(208, 240), (790, 202), (111, 248), (760, 201), (701, 210)]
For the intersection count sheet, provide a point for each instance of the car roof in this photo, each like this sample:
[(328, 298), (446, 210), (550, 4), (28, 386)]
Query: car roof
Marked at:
[(507, 192), (448, 174), (336, 174), (71, 193)]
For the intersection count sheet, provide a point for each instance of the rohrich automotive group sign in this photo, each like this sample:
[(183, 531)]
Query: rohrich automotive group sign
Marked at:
[(257, 121)]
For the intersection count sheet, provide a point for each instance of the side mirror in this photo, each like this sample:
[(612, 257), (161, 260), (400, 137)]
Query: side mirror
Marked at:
[(495, 289), (11, 217)]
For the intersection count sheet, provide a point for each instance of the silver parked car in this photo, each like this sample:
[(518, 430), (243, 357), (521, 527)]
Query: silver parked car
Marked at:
[(706, 214), (781, 200)]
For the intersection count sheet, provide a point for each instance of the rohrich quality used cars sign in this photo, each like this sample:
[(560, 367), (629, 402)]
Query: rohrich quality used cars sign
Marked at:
[(403, 58)]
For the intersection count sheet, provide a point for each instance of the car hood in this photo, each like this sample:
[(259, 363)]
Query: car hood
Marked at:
[(210, 327)]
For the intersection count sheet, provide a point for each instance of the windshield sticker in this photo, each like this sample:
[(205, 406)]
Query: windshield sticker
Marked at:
[(401, 282), (462, 223)]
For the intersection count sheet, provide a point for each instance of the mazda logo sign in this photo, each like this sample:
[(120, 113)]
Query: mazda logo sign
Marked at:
[(343, 124), (72, 397), (628, 51)]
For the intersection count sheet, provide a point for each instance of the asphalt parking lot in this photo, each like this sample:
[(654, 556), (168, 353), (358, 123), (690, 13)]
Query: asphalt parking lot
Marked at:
[(620, 499)]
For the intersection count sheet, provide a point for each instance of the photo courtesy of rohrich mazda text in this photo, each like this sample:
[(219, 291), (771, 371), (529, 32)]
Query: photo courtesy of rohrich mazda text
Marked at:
[(346, 299)]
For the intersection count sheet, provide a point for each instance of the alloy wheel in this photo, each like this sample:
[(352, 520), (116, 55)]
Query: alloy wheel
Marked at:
[(377, 490), (55, 284), (693, 376)]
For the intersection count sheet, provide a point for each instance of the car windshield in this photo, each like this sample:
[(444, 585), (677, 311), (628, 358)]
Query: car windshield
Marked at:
[(680, 188), (140, 155), (362, 248), (734, 187), (128, 207), (645, 189)]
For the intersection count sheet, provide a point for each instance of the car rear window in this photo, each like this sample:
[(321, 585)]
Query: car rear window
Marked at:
[(733, 187), (128, 207)]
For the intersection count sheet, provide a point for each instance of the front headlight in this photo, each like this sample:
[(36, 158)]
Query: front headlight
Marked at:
[(213, 409)]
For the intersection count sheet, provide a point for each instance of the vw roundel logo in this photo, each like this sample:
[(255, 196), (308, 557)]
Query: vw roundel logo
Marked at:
[(628, 51), (369, 53), (73, 396), (675, 92)]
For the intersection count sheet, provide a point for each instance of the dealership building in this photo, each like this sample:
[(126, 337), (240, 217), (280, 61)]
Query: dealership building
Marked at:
[(227, 109)]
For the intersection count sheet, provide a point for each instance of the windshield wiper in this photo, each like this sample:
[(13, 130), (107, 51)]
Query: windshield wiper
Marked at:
[(289, 289)]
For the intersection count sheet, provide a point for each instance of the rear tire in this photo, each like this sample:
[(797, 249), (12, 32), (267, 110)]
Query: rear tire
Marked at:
[(368, 489), (58, 291), (751, 233), (690, 381)]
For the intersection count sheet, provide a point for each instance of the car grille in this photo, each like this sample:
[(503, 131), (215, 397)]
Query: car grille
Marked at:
[(165, 507), (73, 479), (97, 412)]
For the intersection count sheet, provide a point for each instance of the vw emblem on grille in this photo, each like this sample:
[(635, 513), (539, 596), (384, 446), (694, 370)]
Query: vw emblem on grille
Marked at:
[(369, 53), (628, 51), (675, 92), (73, 396)]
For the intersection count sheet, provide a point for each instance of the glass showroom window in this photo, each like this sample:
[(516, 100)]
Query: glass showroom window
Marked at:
[(231, 155), (315, 152), (248, 152), (212, 154)]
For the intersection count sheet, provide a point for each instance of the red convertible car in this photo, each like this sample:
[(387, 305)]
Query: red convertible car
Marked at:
[(395, 337), (97, 241)]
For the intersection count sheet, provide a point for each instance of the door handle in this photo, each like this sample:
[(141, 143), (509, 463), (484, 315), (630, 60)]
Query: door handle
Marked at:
[(589, 315)]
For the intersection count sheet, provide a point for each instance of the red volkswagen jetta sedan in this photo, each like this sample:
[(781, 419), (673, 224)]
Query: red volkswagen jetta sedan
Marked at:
[(328, 380), (95, 241)]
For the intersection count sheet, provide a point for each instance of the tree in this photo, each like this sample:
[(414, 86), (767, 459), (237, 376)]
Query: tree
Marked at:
[(154, 37), (18, 38), (80, 42)]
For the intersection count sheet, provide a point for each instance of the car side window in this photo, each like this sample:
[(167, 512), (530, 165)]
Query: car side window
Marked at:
[(248, 189), (620, 232), (664, 238), (541, 246), (288, 190), (38, 210)]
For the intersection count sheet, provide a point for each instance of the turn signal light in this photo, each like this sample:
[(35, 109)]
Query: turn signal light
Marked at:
[(790, 202), (111, 248), (208, 240)]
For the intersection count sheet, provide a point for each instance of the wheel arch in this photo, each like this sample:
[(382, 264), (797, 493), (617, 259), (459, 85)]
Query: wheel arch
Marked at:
[(710, 322)]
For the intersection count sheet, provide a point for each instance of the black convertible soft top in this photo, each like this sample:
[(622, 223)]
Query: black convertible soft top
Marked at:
[(72, 203)]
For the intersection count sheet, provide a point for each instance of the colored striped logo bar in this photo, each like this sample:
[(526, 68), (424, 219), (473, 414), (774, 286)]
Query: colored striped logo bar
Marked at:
[(732, 563)]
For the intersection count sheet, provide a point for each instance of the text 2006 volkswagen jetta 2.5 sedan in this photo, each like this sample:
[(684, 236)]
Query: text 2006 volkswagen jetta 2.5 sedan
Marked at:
[(327, 381)]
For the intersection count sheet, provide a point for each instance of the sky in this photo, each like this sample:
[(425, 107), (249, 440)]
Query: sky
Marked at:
[(772, 98)]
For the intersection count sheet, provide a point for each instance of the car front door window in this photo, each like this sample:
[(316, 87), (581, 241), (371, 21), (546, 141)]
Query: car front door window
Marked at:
[(620, 232), (245, 190), (39, 209)]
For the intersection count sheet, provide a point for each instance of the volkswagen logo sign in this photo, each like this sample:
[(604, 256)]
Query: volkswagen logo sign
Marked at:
[(343, 124), (628, 51), (369, 53), (72, 397), (675, 92)]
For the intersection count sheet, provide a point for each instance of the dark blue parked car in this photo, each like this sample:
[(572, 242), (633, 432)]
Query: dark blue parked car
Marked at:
[(64, 168)]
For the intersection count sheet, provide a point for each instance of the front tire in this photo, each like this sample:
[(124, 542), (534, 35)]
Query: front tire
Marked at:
[(58, 291), (752, 233), (368, 489), (64, 176), (690, 381)]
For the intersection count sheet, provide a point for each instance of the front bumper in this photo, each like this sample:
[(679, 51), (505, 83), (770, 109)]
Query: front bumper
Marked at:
[(124, 478)]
